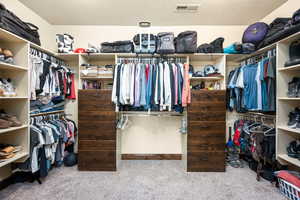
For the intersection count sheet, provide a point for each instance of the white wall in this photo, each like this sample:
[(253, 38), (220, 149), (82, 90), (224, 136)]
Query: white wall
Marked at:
[(46, 30), (286, 10)]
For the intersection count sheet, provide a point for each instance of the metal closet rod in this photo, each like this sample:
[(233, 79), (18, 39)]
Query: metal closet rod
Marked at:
[(256, 58), (151, 59), (148, 114)]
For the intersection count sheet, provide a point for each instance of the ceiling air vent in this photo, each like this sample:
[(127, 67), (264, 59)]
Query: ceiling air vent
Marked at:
[(187, 8)]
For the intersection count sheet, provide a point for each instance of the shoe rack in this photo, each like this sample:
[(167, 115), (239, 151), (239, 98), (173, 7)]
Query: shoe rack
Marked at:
[(17, 105), (285, 104)]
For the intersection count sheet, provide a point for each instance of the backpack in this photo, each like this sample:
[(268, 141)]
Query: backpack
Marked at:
[(186, 42), (144, 43), (255, 33), (165, 43)]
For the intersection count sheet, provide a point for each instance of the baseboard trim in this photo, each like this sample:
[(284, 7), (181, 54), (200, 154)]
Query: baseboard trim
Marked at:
[(151, 156)]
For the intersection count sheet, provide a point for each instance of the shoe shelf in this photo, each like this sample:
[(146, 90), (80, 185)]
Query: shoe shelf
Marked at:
[(288, 98), (286, 128), (291, 68), (17, 157), (12, 129), (289, 159), (6, 66), (15, 97)]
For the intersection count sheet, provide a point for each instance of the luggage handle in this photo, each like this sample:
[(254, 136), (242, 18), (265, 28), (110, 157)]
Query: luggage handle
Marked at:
[(32, 26)]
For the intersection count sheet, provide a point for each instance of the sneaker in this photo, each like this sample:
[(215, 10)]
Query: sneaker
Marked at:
[(4, 124), (292, 123)]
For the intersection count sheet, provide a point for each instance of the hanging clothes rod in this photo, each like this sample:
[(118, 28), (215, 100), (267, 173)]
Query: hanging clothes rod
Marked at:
[(150, 59), (148, 114), (47, 113), (256, 58), (44, 55)]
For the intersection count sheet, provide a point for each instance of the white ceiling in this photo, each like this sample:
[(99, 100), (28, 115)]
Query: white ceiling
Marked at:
[(158, 12)]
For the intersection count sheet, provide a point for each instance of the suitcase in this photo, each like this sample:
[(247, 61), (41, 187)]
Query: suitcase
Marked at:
[(144, 43)]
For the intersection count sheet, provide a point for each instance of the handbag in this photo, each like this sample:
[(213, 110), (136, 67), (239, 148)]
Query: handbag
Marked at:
[(186, 42), (144, 43), (10, 22), (125, 46)]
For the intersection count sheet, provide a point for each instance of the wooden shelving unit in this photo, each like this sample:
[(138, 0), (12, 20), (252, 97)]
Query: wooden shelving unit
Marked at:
[(16, 105), (284, 134)]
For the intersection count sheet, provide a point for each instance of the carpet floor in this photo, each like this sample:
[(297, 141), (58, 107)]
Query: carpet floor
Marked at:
[(145, 180)]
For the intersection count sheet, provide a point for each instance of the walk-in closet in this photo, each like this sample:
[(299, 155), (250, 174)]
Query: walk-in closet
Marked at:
[(126, 100)]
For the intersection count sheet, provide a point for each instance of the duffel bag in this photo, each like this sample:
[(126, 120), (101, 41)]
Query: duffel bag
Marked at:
[(10, 22), (165, 43), (125, 46), (144, 43), (186, 42), (255, 33)]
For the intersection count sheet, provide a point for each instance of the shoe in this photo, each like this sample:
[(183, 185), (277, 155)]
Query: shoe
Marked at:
[(293, 150), (10, 118), (7, 88), (4, 124), (294, 87), (8, 56)]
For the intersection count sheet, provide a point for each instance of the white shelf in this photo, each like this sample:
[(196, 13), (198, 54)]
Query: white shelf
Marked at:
[(286, 128), (12, 129), (6, 66), (289, 98), (286, 158), (15, 158), (17, 97), (291, 68), (6, 36), (217, 78), (96, 78)]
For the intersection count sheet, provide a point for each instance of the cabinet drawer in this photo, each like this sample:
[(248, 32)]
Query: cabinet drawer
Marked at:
[(211, 127), (208, 96), (206, 144), (206, 161), (207, 116), (207, 107), (97, 160), (97, 116), (94, 145)]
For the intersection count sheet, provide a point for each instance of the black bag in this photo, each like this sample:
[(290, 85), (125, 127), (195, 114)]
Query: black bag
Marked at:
[(186, 42), (10, 22), (165, 43), (117, 47), (215, 46), (144, 43)]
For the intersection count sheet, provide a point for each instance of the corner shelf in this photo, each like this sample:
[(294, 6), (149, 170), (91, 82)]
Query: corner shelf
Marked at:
[(288, 159), (7, 66), (18, 156), (12, 129)]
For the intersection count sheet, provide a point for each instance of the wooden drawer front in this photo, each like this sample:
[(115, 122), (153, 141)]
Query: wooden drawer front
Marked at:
[(207, 116), (95, 100), (97, 132), (97, 160), (211, 143), (97, 145), (212, 127), (207, 107), (206, 161), (97, 116), (208, 96)]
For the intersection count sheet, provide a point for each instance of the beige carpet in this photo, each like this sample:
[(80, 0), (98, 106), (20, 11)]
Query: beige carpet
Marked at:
[(149, 180)]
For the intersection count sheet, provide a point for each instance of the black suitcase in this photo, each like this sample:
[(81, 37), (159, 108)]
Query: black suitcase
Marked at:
[(10, 22), (186, 42)]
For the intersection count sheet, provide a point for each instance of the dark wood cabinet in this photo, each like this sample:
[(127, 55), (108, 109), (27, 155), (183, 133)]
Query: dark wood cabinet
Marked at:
[(97, 131), (206, 131)]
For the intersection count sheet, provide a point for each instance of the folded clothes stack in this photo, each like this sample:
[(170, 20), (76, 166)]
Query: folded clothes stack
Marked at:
[(46, 104), (8, 151), (7, 120)]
